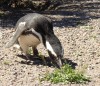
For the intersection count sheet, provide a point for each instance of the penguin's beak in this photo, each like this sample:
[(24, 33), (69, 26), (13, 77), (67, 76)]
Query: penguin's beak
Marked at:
[(57, 61)]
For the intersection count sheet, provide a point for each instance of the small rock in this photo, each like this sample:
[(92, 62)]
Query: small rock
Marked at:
[(0, 35)]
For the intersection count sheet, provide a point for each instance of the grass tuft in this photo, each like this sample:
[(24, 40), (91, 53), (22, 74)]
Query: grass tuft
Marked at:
[(66, 74), (86, 27), (7, 62)]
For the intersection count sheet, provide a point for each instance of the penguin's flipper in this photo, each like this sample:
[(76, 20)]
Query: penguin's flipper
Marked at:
[(19, 29)]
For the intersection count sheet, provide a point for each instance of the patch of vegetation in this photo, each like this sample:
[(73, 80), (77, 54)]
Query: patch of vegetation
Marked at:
[(6, 62), (30, 51), (66, 74), (86, 27)]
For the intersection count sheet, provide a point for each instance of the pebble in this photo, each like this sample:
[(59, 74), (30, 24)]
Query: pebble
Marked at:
[(0, 35)]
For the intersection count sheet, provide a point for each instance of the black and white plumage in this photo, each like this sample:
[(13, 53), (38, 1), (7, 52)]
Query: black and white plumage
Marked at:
[(33, 29)]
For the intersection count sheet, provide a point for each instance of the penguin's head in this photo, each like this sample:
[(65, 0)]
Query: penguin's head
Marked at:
[(55, 50)]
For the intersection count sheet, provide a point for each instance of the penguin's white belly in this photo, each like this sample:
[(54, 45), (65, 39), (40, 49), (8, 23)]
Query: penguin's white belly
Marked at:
[(29, 40)]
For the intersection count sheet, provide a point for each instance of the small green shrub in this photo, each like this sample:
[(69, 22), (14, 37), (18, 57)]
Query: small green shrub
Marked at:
[(65, 74)]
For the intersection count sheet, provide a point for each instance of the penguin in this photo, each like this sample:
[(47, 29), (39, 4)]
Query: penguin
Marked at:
[(33, 29)]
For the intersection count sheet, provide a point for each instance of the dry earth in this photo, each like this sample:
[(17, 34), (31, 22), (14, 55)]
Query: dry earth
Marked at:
[(81, 46)]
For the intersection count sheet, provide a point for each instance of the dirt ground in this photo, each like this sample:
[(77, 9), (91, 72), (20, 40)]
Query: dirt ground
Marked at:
[(81, 43)]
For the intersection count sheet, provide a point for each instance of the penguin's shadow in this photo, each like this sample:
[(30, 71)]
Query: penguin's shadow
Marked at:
[(37, 60)]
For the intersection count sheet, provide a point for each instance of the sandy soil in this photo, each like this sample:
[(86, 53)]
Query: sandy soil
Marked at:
[(81, 43), (81, 46)]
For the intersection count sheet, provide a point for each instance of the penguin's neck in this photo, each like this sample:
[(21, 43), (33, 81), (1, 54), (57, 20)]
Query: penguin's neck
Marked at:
[(51, 43)]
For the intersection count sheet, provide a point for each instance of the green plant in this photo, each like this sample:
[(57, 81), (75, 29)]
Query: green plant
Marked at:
[(65, 74), (87, 27), (42, 57), (6, 62), (30, 51)]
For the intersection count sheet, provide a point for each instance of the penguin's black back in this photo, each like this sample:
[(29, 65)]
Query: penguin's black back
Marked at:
[(38, 22)]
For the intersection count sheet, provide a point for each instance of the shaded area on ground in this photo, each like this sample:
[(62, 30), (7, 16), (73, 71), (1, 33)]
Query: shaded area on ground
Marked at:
[(70, 15), (36, 60)]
